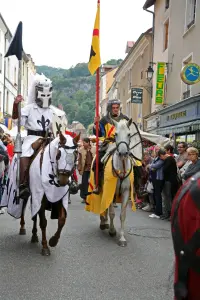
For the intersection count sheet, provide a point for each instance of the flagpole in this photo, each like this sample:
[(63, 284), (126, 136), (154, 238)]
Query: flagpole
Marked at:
[(16, 48), (18, 141), (97, 125), (19, 93)]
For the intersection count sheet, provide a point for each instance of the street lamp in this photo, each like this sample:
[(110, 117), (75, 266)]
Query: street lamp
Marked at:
[(149, 73)]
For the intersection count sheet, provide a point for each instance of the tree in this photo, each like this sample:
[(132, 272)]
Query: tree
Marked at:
[(74, 89), (90, 129)]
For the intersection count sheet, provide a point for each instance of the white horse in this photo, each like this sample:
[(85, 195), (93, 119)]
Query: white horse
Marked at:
[(127, 138), (49, 176)]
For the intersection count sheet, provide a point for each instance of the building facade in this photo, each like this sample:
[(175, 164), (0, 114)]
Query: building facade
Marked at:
[(185, 33), (9, 74), (132, 74), (112, 92), (176, 32), (107, 80)]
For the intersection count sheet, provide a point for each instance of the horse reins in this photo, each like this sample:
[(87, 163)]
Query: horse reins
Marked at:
[(52, 162)]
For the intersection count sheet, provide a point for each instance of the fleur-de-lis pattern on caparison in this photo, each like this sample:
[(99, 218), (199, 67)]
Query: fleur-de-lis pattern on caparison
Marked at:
[(43, 123), (52, 180)]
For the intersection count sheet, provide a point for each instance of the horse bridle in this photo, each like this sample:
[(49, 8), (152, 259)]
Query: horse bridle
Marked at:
[(125, 175), (58, 155), (123, 142)]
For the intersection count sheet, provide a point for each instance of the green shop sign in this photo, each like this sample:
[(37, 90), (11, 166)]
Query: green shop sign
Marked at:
[(160, 83)]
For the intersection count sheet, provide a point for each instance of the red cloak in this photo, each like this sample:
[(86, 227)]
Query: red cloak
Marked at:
[(185, 223), (73, 135)]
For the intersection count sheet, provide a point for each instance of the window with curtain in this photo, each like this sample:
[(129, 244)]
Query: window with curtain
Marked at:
[(167, 4), (190, 13), (166, 35)]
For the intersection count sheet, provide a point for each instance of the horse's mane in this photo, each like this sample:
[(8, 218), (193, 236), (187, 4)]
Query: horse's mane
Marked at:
[(122, 124)]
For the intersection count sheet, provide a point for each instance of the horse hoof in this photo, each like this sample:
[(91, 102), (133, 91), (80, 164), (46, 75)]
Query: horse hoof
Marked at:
[(104, 226), (53, 241), (22, 231), (122, 243), (112, 233), (34, 239), (45, 252)]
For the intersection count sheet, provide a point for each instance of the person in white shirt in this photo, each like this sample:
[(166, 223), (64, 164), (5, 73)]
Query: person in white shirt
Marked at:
[(36, 117)]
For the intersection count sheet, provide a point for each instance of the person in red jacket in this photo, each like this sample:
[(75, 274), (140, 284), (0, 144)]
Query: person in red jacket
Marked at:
[(185, 226), (8, 142)]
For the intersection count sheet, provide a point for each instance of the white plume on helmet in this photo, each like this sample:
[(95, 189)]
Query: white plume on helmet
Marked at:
[(38, 80)]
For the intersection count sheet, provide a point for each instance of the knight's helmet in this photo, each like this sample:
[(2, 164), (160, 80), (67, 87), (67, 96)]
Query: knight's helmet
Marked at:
[(110, 104), (40, 91)]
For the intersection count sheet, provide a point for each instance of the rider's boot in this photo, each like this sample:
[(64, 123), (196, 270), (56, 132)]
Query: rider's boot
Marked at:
[(24, 191), (98, 188)]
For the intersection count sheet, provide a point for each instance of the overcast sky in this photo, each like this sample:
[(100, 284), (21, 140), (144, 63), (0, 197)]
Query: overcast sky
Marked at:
[(58, 33)]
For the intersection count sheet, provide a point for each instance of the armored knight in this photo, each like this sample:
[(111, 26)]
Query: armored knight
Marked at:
[(107, 133), (37, 118)]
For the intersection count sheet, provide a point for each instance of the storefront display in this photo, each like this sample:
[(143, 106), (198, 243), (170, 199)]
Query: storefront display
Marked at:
[(182, 120), (188, 138)]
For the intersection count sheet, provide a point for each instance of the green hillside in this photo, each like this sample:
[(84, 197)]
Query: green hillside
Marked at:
[(74, 89)]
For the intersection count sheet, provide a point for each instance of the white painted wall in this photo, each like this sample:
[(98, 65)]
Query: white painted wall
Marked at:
[(112, 94), (184, 44), (11, 74), (161, 16), (103, 95), (11, 81)]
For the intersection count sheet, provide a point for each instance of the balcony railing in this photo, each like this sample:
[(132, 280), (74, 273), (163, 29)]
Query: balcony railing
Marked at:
[(186, 94)]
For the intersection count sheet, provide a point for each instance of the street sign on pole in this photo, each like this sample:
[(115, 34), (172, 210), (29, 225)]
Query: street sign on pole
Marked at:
[(137, 95)]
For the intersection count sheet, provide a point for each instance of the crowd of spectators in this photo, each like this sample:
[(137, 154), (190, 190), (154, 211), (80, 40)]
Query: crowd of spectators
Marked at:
[(163, 173)]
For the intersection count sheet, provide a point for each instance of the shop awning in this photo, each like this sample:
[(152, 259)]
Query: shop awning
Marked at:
[(154, 138), (181, 128)]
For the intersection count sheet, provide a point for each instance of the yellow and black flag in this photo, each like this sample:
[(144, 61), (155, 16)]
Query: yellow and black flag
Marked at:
[(95, 59)]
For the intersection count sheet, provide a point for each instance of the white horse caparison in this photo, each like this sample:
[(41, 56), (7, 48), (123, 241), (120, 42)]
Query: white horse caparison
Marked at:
[(122, 166)]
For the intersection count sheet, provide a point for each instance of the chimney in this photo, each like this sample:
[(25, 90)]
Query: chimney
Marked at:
[(129, 46)]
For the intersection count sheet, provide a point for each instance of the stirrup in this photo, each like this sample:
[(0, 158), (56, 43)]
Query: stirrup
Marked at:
[(97, 191)]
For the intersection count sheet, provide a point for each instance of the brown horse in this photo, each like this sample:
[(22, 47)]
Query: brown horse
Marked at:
[(66, 147)]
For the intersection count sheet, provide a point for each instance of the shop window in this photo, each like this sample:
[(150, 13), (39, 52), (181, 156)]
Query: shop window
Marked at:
[(190, 13), (191, 138), (180, 138), (166, 35)]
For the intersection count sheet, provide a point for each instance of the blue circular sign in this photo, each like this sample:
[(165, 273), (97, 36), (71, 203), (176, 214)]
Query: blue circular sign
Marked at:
[(190, 74)]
